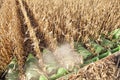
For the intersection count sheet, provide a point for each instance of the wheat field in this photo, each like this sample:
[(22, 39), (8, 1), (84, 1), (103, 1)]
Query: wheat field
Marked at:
[(30, 26)]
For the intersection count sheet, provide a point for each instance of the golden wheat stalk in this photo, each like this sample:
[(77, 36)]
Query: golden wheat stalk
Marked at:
[(77, 20), (57, 21), (10, 38)]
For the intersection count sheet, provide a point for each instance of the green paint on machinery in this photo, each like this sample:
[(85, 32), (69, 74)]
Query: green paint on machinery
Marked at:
[(105, 48)]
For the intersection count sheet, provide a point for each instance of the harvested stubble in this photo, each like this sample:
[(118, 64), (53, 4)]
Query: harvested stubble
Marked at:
[(104, 69), (29, 26)]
